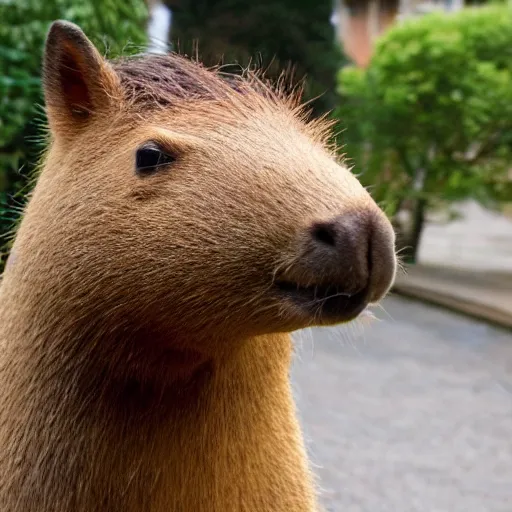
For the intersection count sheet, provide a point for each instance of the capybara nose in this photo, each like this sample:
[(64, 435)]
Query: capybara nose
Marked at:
[(357, 251)]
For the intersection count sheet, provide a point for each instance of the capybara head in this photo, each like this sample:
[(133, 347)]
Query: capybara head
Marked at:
[(184, 201)]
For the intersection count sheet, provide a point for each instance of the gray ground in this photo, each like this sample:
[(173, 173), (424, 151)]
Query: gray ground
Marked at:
[(412, 412)]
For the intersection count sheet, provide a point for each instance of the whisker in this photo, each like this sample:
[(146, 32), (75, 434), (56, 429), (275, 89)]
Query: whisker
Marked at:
[(380, 306)]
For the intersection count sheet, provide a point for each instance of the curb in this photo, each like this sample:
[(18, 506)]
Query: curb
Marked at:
[(456, 304)]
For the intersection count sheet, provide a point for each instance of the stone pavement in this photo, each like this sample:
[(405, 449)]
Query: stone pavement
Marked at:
[(408, 413), (484, 295)]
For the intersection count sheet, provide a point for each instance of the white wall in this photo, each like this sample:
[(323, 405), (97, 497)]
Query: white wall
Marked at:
[(159, 25)]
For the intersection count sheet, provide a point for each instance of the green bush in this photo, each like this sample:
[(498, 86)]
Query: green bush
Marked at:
[(430, 121), (114, 25)]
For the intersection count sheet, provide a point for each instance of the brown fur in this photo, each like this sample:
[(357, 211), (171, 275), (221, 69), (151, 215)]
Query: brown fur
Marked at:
[(144, 354)]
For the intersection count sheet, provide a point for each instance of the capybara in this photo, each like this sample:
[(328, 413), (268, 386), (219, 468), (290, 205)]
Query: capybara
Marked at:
[(183, 224)]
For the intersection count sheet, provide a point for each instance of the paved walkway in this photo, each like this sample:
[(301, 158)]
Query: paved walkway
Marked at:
[(409, 413), (480, 239), (485, 295)]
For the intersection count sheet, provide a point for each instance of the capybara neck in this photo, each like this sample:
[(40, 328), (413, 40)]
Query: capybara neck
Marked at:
[(183, 224), (99, 439)]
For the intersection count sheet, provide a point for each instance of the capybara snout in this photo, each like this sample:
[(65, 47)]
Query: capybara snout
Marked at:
[(341, 265)]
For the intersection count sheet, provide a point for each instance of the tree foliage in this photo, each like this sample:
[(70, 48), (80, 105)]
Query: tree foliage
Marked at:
[(114, 25), (273, 34), (431, 118)]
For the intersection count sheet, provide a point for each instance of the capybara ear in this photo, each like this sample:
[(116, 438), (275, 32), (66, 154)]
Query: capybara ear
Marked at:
[(78, 82)]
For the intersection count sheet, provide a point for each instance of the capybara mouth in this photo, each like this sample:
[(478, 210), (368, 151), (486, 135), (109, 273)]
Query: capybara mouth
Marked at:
[(325, 302)]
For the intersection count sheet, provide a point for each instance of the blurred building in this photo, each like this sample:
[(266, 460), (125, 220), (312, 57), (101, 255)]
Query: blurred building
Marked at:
[(360, 22)]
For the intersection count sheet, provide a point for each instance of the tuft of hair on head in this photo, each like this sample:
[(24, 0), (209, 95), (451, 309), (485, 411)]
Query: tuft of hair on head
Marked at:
[(168, 80), (174, 81)]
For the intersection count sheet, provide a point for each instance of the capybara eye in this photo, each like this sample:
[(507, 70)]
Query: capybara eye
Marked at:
[(150, 157)]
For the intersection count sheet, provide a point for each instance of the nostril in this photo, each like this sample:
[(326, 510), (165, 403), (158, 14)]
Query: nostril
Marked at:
[(325, 234)]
